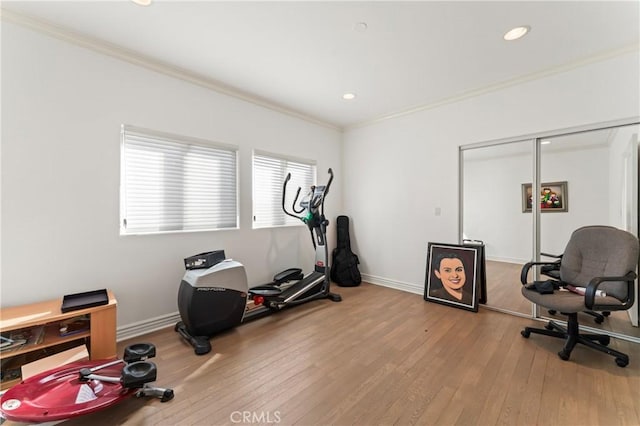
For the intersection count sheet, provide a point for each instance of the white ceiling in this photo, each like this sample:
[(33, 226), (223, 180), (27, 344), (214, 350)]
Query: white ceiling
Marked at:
[(302, 56)]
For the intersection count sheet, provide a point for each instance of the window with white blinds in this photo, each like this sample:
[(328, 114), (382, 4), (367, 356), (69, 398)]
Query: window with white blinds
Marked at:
[(269, 172), (174, 183)]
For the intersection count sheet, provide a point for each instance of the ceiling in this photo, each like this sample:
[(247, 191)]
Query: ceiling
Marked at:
[(301, 57)]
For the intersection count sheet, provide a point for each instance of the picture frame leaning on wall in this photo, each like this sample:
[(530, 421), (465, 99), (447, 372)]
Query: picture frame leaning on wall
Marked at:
[(453, 275)]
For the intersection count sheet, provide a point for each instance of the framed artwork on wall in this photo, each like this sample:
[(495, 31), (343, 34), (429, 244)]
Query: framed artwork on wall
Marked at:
[(453, 275), (553, 197)]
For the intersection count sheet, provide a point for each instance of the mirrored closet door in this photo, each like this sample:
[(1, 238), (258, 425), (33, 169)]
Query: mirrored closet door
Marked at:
[(587, 176), (492, 213)]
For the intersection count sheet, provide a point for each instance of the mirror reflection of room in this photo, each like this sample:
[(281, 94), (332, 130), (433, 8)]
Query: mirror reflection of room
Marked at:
[(492, 178), (597, 167), (586, 178)]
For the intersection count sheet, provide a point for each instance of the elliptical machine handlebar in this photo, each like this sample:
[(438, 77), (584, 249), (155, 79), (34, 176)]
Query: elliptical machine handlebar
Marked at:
[(295, 200), (326, 188), (284, 194), (312, 204)]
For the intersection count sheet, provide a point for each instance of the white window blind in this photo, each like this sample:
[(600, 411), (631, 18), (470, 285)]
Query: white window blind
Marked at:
[(174, 183), (269, 172)]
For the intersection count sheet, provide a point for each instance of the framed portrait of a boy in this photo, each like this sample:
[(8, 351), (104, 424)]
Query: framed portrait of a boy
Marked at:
[(453, 275)]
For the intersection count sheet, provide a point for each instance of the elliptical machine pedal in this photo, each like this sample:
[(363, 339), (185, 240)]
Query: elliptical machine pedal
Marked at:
[(291, 274)]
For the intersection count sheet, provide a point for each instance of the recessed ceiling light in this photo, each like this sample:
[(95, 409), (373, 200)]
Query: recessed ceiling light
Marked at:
[(516, 33), (360, 27), (545, 142), (349, 96), (142, 2)]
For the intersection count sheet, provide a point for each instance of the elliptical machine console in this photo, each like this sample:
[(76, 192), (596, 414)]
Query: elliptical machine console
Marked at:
[(218, 298)]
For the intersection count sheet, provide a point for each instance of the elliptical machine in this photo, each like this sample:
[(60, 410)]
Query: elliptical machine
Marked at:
[(317, 284), (218, 298)]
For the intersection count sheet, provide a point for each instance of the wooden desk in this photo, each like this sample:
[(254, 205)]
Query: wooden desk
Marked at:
[(100, 338)]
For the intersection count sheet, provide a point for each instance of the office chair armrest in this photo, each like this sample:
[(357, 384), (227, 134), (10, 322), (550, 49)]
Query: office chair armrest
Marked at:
[(590, 292), (527, 266), (555, 256)]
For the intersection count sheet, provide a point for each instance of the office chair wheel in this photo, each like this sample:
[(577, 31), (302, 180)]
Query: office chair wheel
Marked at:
[(598, 320), (621, 362), (604, 340), (548, 326), (564, 355), (552, 311), (525, 333)]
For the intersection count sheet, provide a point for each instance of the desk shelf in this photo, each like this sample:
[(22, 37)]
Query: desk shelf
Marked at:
[(100, 338)]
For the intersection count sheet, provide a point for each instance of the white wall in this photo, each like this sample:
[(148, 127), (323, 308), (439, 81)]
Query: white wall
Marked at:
[(587, 174), (493, 201), (399, 170), (493, 178), (62, 107), (622, 164)]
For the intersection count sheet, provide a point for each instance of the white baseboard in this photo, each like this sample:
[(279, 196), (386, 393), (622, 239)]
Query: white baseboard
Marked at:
[(147, 326), (508, 260), (169, 320), (398, 285)]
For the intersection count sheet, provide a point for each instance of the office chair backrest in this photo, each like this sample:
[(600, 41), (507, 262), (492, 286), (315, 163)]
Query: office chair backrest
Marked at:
[(596, 251)]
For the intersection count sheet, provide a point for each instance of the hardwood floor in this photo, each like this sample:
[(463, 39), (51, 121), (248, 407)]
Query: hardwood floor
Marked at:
[(383, 356), (503, 289)]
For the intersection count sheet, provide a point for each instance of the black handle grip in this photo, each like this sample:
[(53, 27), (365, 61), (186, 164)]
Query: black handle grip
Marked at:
[(326, 190), (330, 180), (295, 200), (284, 193)]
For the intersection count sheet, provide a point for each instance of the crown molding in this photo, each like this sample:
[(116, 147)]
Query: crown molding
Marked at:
[(603, 56), (152, 64), (147, 62)]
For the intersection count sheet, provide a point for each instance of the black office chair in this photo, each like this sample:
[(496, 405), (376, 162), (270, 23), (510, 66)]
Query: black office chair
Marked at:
[(598, 258)]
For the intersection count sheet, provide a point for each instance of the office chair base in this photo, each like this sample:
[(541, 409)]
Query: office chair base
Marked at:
[(572, 337), (598, 317)]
